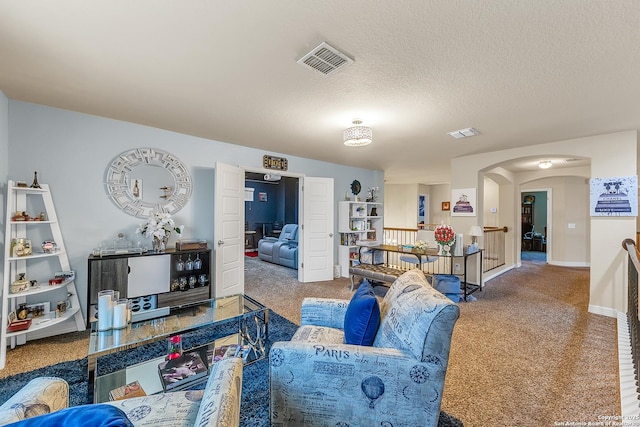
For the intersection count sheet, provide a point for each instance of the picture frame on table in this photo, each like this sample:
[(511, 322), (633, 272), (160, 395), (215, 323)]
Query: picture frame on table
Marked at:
[(38, 310)]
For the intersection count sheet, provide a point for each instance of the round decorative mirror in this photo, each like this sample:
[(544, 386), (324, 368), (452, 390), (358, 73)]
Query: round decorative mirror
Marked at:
[(144, 180)]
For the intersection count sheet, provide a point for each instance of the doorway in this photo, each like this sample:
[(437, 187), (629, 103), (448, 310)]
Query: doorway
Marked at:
[(535, 225), (271, 202), (307, 202)]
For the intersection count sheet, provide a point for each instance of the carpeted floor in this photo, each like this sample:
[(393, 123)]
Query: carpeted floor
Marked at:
[(254, 407), (526, 353), (534, 256), (255, 390)]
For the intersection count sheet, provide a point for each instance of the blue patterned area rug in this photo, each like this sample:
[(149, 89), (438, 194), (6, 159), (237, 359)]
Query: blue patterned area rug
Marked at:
[(255, 385)]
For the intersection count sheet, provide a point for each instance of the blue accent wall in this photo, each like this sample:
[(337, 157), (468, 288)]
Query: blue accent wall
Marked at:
[(281, 205)]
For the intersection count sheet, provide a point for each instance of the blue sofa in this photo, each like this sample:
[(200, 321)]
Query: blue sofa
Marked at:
[(282, 250)]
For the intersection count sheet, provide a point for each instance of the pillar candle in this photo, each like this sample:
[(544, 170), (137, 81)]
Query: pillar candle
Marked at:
[(105, 310), (120, 315)]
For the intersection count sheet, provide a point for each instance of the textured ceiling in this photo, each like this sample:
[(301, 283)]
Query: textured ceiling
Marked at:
[(521, 72)]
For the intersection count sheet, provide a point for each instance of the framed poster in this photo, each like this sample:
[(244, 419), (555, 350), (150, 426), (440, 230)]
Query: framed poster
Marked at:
[(464, 202), (614, 196), (446, 206), (423, 209)]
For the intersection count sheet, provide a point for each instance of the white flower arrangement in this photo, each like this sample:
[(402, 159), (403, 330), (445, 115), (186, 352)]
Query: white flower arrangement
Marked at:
[(159, 225), (421, 245)]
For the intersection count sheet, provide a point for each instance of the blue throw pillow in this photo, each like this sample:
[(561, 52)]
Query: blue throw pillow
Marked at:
[(100, 415), (362, 318)]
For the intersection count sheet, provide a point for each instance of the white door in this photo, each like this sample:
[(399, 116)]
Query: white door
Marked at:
[(228, 230), (317, 230)]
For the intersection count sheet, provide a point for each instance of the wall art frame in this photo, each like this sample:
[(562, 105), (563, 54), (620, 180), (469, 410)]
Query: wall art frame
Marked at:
[(464, 202), (614, 196)]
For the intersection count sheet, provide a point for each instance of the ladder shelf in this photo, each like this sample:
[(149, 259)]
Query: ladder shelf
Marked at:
[(19, 199)]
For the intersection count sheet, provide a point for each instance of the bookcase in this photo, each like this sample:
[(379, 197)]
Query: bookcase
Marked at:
[(359, 224)]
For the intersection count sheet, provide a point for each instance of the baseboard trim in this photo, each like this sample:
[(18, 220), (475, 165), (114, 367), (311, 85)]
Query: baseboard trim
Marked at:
[(493, 274), (570, 264), (603, 311)]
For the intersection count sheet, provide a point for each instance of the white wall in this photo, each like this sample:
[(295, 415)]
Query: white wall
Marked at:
[(611, 155), (440, 193), (71, 152), (491, 200), (570, 205), (4, 171), (401, 205)]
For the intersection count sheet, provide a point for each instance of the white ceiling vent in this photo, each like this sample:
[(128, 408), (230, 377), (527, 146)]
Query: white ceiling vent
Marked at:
[(464, 133), (325, 59)]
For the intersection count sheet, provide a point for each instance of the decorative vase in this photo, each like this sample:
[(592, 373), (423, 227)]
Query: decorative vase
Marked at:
[(174, 347), (159, 245), (444, 249)]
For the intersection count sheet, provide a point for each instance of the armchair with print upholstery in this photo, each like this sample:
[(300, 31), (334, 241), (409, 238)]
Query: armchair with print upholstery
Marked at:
[(316, 379)]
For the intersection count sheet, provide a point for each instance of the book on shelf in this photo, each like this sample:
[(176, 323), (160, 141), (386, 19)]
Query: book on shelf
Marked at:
[(182, 370), (133, 389)]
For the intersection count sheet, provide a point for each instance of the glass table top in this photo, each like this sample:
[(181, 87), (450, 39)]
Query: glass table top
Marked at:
[(180, 319)]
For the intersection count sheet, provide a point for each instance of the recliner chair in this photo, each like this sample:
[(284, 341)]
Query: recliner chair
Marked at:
[(282, 250)]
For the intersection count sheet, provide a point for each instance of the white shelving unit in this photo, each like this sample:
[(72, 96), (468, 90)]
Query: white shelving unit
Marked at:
[(38, 266), (357, 222)]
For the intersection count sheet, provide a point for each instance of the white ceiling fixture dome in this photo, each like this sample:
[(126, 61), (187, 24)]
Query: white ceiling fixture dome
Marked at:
[(357, 136)]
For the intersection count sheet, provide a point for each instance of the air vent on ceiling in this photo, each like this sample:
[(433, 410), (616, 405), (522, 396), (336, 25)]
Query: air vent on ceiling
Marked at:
[(464, 133), (325, 59)]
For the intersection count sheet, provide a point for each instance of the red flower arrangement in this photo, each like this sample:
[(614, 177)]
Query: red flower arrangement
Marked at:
[(444, 235)]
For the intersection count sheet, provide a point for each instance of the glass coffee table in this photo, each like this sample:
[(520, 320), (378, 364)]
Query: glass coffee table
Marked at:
[(246, 319)]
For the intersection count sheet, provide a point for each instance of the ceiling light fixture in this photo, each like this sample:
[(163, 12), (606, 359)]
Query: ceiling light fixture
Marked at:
[(463, 133), (357, 136), (545, 164)]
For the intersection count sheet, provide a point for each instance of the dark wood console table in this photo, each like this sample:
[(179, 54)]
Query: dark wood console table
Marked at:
[(445, 264), (150, 274)]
